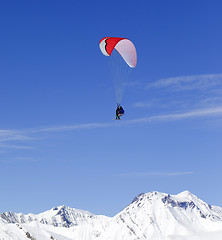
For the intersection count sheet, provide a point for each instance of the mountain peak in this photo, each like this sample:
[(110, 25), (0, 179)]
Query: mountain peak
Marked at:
[(185, 202), (186, 193), (149, 196), (152, 215), (161, 214)]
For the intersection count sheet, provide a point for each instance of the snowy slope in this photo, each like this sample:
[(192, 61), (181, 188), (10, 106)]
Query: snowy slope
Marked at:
[(152, 216), (59, 223), (161, 216), (61, 216)]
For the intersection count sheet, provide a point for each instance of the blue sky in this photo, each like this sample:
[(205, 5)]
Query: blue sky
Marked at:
[(58, 141)]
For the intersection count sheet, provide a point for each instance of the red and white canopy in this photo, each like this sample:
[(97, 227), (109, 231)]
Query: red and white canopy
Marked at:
[(124, 47)]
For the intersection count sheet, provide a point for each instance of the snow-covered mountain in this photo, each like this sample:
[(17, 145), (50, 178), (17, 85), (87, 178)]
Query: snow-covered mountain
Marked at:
[(61, 216), (151, 216)]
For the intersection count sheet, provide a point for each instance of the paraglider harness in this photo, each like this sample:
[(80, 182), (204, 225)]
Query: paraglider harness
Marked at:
[(119, 111)]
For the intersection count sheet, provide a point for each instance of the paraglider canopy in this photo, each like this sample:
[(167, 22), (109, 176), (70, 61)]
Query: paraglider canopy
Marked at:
[(123, 58), (123, 46)]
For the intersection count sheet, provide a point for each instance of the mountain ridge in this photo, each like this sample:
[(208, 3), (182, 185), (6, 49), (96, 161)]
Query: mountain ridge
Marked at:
[(151, 216)]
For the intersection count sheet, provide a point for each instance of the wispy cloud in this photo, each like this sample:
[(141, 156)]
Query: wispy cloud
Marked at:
[(180, 116), (11, 146), (166, 117), (17, 159), (11, 140), (13, 135), (199, 105), (193, 82), (145, 174), (183, 93), (145, 104), (73, 127)]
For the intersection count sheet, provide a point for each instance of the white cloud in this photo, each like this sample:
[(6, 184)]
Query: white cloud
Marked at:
[(11, 146), (72, 127), (144, 104), (11, 135), (17, 159), (29, 134), (179, 116), (164, 174), (166, 117), (181, 83), (185, 93)]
